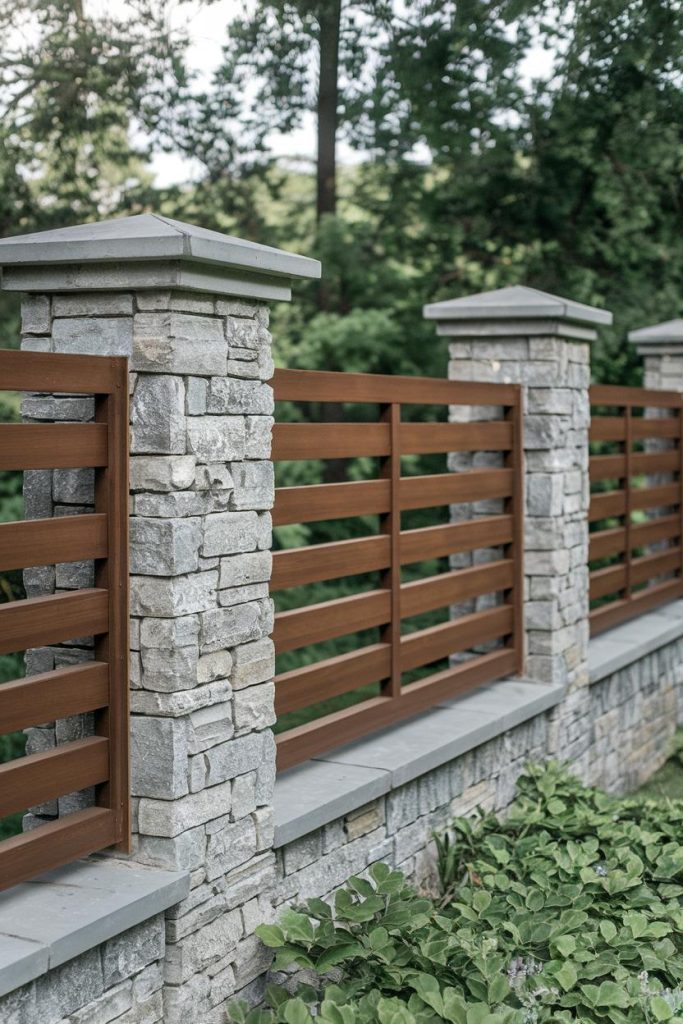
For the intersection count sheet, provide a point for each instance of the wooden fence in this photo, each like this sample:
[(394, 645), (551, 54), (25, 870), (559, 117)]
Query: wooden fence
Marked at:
[(636, 508), (389, 437), (100, 685)]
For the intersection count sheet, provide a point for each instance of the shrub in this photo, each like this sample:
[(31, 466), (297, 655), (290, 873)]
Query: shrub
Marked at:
[(570, 909)]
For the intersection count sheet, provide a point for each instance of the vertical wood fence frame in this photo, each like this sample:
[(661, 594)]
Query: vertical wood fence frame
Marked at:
[(639, 519), (390, 493), (100, 685)]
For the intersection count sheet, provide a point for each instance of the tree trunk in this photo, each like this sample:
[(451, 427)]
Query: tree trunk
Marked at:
[(326, 194)]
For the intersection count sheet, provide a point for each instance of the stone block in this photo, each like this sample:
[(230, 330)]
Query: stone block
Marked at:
[(197, 952), (169, 669), (230, 396), (181, 702), (159, 753), (172, 342), (164, 547), (177, 632), (254, 707), (215, 477), (173, 596), (241, 570), (179, 504), (243, 795), (217, 438), (230, 533), (171, 817), (100, 336), (162, 472), (229, 844), (253, 663), (74, 486), (196, 391), (209, 727), (132, 951), (258, 437), (35, 314), (242, 332), (228, 627), (157, 416), (254, 485), (238, 757), (93, 304)]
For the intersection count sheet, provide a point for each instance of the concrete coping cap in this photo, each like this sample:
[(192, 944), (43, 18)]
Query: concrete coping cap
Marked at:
[(668, 332), (516, 303), (150, 237)]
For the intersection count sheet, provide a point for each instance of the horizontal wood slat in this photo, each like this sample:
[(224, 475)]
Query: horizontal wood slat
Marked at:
[(59, 842), (297, 566), (52, 695), (315, 502), (613, 503), (458, 585), (435, 642), (335, 730), (329, 440), (31, 780), (51, 541), (616, 612), (58, 372), (52, 445), (39, 621), (325, 386), (613, 577), (329, 619), (311, 684), (423, 438), (436, 541), (605, 467), (444, 488), (637, 398), (611, 542)]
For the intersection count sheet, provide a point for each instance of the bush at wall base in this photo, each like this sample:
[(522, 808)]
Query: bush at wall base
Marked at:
[(571, 909)]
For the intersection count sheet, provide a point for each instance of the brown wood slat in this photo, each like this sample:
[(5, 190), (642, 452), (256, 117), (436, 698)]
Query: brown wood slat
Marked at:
[(39, 621), (435, 642), (52, 445), (51, 695), (605, 467), (56, 372), (435, 541), (31, 780), (301, 687), (607, 428), (329, 440), (297, 566), (459, 585), (611, 542), (390, 526), (647, 567), (615, 394), (609, 580), (50, 541), (444, 488), (382, 389), (613, 503), (334, 730), (666, 426), (330, 619), (488, 436), (316, 502), (59, 842), (616, 612)]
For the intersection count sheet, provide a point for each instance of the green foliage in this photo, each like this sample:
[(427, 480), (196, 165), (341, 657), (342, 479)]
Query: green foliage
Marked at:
[(570, 909)]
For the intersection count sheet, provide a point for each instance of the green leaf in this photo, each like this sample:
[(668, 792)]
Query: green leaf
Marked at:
[(295, 1012), (607, 930), (567, 976), (660, 1008), (271, 935), (565, 944), (611, 994)]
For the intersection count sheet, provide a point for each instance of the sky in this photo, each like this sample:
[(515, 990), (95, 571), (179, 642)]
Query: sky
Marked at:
[(206, 24)]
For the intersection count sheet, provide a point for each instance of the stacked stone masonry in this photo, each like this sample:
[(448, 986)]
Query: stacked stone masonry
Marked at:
[(202, 662)]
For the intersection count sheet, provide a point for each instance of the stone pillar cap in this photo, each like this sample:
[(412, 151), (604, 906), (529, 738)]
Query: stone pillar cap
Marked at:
[(149, 251), (668, 334), (516, 303)]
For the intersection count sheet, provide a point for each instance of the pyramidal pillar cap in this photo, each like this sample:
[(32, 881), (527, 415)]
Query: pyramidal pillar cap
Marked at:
[(660, 339), (517, 310), (149, 251)]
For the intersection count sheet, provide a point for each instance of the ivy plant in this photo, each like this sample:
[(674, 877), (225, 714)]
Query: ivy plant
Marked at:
[(569, 909)]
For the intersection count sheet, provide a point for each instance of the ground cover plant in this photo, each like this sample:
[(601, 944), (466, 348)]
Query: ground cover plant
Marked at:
[(570, 909)]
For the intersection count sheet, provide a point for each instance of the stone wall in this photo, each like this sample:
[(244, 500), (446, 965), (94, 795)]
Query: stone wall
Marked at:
[(201, 486)]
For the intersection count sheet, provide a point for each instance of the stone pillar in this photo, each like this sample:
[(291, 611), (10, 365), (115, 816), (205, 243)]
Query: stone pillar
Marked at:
[(661, 347), (190, 309), (523, 336)]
